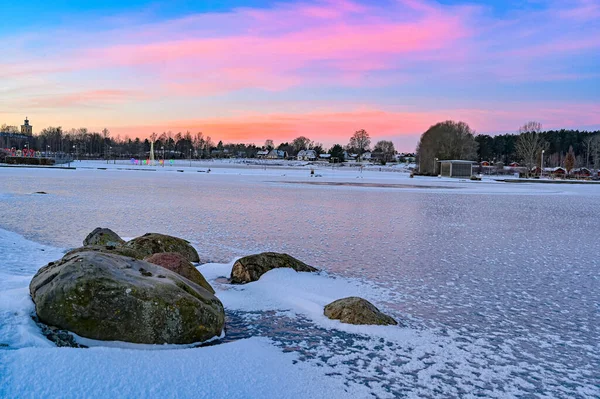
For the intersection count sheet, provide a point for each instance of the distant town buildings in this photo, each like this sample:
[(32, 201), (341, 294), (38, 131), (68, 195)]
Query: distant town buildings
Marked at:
[(26, 128)]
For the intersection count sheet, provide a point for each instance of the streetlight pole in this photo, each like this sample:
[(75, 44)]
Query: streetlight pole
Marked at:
[(434, 165), (542, 165)]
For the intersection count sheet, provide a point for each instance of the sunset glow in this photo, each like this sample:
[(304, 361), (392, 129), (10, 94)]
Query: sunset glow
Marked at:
[(323, 69)]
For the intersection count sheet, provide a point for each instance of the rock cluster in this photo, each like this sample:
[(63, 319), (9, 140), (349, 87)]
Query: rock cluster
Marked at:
[(106, 291), (148, 291)]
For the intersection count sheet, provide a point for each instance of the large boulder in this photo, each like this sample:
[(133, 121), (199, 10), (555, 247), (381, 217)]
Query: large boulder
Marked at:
[(250, 268), (180, 265), (355, 310), (108, 249), (115, 298), (102, 236), (154, 243)]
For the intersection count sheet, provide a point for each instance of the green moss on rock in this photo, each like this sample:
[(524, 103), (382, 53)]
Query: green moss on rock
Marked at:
[(154, 243), (103, 296)]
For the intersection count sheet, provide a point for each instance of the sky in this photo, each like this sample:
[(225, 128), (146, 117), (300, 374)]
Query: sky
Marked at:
[(251, 70)]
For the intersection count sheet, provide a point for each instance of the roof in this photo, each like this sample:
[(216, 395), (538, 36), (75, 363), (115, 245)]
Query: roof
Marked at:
[(278, 153), (307, 153), (455, 161)]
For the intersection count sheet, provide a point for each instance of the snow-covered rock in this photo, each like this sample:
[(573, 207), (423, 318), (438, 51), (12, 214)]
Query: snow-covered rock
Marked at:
[(250, 268)]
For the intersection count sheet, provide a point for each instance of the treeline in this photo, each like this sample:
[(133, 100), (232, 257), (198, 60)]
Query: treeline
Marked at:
[(81, 143), (503, 148), (531, 147)]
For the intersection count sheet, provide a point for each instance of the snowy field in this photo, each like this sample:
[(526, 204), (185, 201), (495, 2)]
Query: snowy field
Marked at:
[(498, 284)]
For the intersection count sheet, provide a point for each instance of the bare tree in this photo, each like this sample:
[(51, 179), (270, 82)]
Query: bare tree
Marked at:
[(596, 152), (360, 142), (386, 148), (269, 145), (588, 144), (301, 143), (530, 144), (9, 129), (531, 127)]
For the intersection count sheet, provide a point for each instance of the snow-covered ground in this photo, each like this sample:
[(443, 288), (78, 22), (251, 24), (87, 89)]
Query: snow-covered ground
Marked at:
[(496, 283)]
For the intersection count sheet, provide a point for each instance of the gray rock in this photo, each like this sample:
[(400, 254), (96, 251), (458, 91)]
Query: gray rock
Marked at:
[(355, 310), (115, 298), (154, 243), (102, 236), (250, 268), (108, 249)]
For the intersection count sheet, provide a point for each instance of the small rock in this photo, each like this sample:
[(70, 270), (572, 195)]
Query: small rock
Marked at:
[(250, 268), (144, 272), (102, 236), (154, 243), (355, 310)]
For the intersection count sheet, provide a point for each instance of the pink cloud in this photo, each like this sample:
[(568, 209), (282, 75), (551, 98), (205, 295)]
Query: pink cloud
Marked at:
[(82, 98), (275, 45)]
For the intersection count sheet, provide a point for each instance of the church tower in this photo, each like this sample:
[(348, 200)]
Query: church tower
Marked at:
[(26, 128)]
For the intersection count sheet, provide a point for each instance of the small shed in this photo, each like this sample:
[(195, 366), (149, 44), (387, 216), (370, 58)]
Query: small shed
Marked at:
[(456, 168)]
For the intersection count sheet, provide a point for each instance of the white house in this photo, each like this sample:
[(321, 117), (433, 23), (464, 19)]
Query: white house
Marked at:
[(307, 155), (277, 154), (262, 154)]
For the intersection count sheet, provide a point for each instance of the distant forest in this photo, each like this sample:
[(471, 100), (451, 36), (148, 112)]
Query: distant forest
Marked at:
[(503, 148)]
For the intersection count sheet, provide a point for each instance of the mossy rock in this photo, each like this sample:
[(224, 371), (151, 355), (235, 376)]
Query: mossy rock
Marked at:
[(355, 310), (154, 243), (114, 298), (250, 268), (102, 236), (108, 249), (180, 265)]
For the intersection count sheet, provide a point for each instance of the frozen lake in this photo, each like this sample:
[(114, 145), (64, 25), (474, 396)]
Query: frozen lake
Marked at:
[(499, 284)]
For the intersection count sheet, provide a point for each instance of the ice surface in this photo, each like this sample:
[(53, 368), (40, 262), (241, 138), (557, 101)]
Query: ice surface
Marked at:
[(498, 283)]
